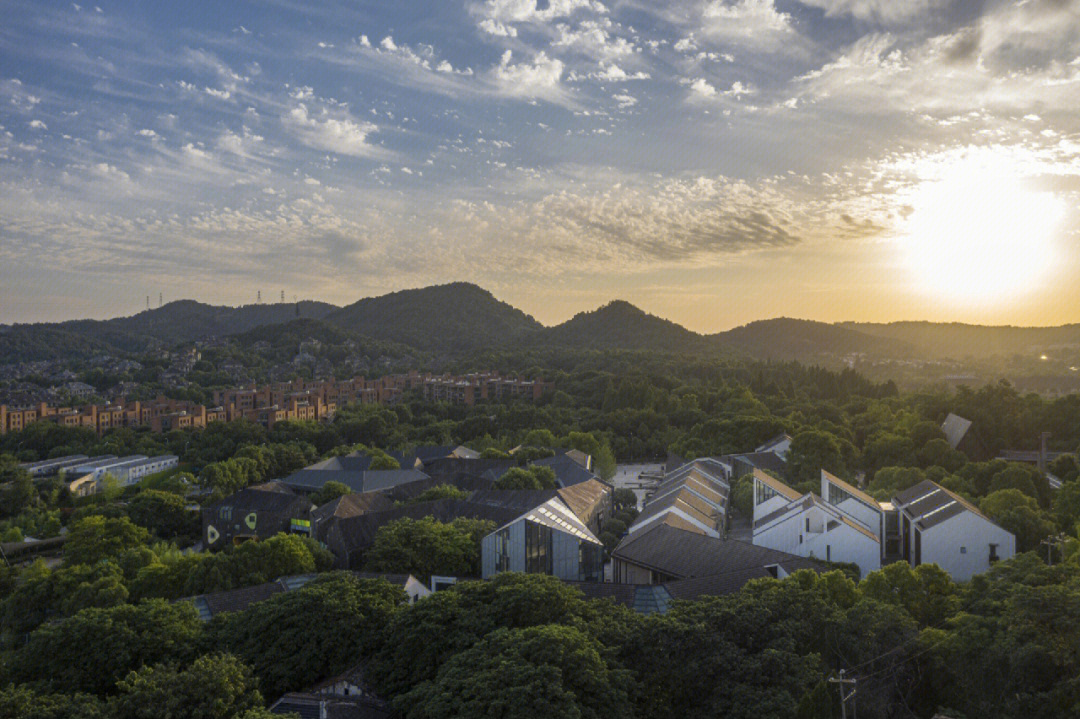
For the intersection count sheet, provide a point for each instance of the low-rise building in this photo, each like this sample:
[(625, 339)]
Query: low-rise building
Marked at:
[(940, 527), (258, 512), (548, 539)]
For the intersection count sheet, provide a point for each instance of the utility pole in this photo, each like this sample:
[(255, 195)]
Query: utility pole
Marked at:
[(1052, 541), (845, 695)]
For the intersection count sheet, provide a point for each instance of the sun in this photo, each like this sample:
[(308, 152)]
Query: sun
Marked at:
[(977, 233)]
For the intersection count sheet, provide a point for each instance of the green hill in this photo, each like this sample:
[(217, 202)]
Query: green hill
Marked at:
[(443, 318), (791, 339), (621, 325)]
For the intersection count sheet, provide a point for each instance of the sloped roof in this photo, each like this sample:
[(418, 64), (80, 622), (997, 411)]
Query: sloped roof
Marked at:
[(567, 471), (259, 498), (556, 515), (684, 554), (955, 427), (352, 505), (682, 500), (812, 500), (584, 497), (771, 444), (929, 504), (359, 532), (368, 481), (851, 489), (776, 485)]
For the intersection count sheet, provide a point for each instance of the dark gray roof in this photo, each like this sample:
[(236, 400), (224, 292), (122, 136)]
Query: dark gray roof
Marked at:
[(310, 480), (461, 480), (686, 554), (312, 706), (235, 600), (271, 497), (351, 505), (359, 532), (929, 504), (567, 471), (761, 460), (520, 500), (451, 465), (955, 427)]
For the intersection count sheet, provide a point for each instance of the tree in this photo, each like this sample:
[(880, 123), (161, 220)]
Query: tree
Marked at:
[(20, 492), (96, 538), (21, 702), (92, 650), (1019, 514), (215, 686), (1067, 506), (163, 513), (531, 477), (927, 592), (295, 639), (547, 670), (812, 451), (329, 492), (439, 491), (425, 546)]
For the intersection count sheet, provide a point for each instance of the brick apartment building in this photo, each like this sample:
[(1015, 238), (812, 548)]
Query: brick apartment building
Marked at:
[(299, 399)]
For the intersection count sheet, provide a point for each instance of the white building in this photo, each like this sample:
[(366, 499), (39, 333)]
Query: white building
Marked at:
[(127, 470), (807, 526), (548, 539), (695, 495), (941, 527)]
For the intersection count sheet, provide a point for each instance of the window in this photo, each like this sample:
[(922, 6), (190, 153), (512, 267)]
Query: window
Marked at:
[(763, 492), (993, 553), (963, 550), (225, 513), (590, 561), (828, 552), (807, 524), (502, 550), (537, 548)]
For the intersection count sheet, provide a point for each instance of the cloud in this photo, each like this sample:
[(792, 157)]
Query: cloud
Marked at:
[(340, 135), (537, 79), (498, 15), (880, 11), (751, 21), (702, 88), (37, 125)]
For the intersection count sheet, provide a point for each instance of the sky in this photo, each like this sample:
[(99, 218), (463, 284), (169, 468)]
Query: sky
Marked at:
[(712, 161)]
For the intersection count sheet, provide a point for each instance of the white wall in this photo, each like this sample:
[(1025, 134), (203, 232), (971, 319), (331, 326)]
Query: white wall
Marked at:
[(842, 543), (941, 545)]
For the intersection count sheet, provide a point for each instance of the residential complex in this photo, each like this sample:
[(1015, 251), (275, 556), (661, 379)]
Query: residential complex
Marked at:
[(925, 524), (299, 399)]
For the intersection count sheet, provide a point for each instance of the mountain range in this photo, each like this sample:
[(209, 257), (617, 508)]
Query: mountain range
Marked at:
[(461, 317)]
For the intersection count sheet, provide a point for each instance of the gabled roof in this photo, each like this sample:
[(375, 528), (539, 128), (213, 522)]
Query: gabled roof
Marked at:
[(684, 501), (669, 550), (567, 471), (367, 481), (929, 504), (352, 505), (260, 498), (772, 443), (776, 485), (804, 503), (955, 427), (760, 460), (584, 497), (556, 515), (851, 489)]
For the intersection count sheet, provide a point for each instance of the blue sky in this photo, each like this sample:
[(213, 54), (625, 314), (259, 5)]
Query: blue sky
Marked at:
[(712, 161)]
